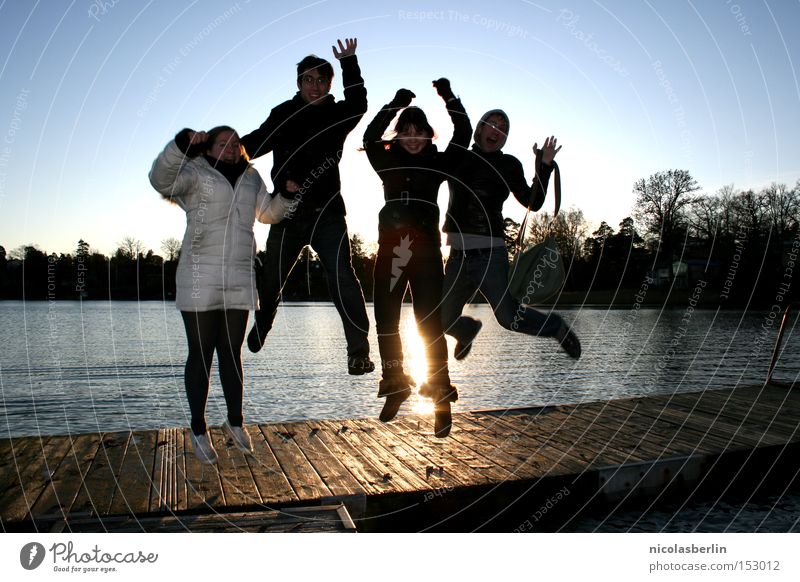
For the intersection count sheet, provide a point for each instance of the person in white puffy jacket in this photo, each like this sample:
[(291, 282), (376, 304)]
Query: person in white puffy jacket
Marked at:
[(208, 176)]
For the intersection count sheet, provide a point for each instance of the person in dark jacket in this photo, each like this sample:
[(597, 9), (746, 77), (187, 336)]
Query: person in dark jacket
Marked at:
[(478, 259), (409, 244), (306, 136)]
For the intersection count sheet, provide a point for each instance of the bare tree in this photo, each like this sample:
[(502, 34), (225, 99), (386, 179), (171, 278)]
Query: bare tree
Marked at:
[(171, 247), (661, 203), (661, 199), (782, 206), (131, 247)]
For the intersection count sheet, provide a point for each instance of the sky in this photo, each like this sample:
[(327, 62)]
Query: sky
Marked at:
[(91, 92)]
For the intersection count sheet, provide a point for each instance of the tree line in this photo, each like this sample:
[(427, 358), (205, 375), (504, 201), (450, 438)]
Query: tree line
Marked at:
[(742, 245)]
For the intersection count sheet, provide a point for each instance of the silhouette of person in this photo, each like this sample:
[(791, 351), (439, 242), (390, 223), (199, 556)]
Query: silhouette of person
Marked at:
[(478, 259), (306, 135), (409, 244)]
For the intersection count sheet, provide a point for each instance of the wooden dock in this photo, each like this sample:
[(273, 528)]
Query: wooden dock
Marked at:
[(505, 470)]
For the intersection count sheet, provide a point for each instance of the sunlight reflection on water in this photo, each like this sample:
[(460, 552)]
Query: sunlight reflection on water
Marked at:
[(72, 367)]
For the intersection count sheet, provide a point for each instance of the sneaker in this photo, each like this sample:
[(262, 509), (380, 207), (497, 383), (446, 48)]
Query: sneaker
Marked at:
[(358, 365), (569, 342), (240, 436), (463, 348), (396, 389), (257, 336), (203, 449)]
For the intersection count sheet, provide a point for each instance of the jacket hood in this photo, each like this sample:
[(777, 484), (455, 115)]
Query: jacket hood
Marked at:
[(479, 126)]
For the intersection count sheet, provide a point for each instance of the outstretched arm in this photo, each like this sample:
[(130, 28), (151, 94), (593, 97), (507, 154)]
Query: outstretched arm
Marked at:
[(354, 105), (533, 196), (462, 128), (373, 142)]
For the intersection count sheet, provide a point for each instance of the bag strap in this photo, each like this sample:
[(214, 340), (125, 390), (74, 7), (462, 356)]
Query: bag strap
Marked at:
[(557, 199)]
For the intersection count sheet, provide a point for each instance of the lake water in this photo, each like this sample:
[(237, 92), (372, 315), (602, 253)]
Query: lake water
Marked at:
[(85, 366), (72, 367)]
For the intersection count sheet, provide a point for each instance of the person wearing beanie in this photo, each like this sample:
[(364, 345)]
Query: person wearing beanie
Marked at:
[(475, 232)]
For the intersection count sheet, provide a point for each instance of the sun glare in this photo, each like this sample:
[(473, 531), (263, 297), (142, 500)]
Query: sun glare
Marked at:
[(415, 362)]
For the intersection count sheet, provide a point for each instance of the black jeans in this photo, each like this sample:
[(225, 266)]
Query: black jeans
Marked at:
[(329, 238), (207, 332), (416, 263)]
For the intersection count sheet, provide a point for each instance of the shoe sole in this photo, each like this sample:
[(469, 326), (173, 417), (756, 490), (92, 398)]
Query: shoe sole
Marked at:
[(464, 352), (385, 416)]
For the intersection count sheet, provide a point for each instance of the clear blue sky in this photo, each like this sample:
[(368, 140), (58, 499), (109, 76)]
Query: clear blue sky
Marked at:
[(90, 92)]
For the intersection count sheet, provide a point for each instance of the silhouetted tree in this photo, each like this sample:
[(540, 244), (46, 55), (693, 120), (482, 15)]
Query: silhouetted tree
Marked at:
[(171, 247), (661, 203)]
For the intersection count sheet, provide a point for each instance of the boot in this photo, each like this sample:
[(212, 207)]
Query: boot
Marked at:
[(442, 395), (396, 389)]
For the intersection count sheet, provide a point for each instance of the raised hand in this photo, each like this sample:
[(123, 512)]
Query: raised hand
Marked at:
[(196, 137), (548, 151), (402, 98), (443, 89), (345, 50)]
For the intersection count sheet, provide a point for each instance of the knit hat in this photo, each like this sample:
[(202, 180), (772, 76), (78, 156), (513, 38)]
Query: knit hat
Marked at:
[(484, 119)]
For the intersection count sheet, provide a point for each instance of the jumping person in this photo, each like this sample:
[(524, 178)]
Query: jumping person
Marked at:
[(207, 176), (306, 136), (409, 244), (478, 259)]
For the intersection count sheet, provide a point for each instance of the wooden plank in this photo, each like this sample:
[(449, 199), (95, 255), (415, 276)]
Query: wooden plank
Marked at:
[(396, 443), (203, 486), (441, 470), (237, 480), (751, 411), (406, 479), (709, 442), (167, 479), (334, 473), (478, 468), (568, 427), (759, 435), (466, 435), (302, 476), (694, 423), (370, 476), (675, 441), (527, 449), (269, 479), (559, 438), (61, 491), (33, 463), (101, 482), (136, 475), (623, 434)]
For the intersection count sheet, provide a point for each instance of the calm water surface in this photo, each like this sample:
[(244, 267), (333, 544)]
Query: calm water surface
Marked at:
[(76, 367)]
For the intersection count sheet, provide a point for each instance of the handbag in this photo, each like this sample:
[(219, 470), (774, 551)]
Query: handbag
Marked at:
[(536, 273)]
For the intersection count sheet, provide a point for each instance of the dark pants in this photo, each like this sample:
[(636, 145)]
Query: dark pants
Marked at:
[(417, 266), (207, 332), (487, 272), (329, 239)]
